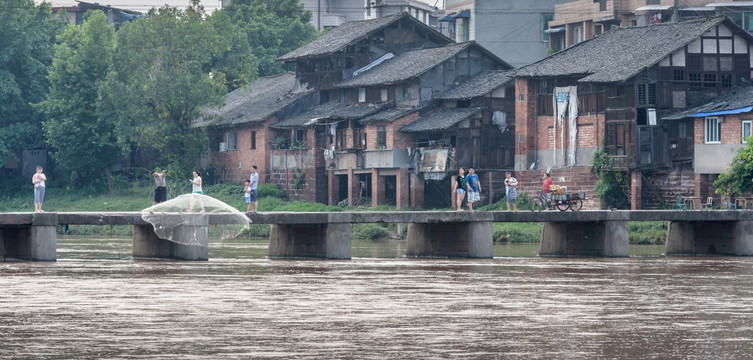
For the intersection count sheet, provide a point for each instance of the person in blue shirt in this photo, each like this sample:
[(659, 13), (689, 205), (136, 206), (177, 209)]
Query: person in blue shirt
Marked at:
[(254, 180), (474, 188)]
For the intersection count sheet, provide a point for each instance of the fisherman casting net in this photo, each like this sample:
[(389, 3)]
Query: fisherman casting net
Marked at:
[(184, 219)]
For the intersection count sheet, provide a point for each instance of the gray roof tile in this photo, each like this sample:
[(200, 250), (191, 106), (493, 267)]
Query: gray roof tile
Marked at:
[(390, 115), (332, 111), (257, 102), (737, 98), (478, 85), (620, 54), (440, 119), (347, 34), (404, 66)]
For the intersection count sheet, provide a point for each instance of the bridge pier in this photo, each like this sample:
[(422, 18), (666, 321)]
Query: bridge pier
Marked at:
[(36, 241), (596, 239), (194, 230), (319, 241), (691, 238), (450, 239)]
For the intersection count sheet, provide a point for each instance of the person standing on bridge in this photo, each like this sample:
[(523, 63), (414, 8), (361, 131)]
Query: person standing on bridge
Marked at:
[(474, 188), (38, 180), (253, 206), (511, 185), (196, 190), (459, 188), (160, 191)]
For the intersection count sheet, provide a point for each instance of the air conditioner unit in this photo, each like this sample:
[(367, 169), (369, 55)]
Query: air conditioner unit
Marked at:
[(223, 147)]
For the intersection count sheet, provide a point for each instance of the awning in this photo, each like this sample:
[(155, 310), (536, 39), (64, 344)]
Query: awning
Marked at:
[(725, 112), (654, 8), (555, 30), (731, 4)]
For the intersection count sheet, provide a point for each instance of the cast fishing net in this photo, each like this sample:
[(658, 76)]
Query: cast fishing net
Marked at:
[(183, 219)]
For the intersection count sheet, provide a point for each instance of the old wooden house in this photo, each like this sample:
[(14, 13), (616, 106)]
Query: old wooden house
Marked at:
[(613, 91)]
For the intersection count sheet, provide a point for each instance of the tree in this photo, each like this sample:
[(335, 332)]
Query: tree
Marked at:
[(85, 143), (612, 186), (273, 27), (162, 77), (26, 49), (738, 179)]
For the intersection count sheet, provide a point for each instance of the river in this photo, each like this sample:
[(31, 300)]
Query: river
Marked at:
[(97, 302)]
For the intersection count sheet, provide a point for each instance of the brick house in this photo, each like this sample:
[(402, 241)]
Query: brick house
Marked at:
[(720, 128), (238, 131), (625, 81)]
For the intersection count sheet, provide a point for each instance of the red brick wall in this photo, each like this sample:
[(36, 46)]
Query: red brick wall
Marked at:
[(661, 188), (235, 165), (577, 179), (395, 138), (731, 128)]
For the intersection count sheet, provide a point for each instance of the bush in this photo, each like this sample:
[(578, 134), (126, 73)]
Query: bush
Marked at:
[(270, 190), (302, 206), (647, 232), (517, 232), (370, 232)]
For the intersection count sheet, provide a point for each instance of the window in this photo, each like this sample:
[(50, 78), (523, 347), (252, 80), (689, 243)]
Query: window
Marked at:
[(577, 34), (713, 130), (746, 130), (384, 95), (300, 135), (679, 74), (381, 141), (253, 140), (646, 94), (545, 19), (232, 141), (362, 95)]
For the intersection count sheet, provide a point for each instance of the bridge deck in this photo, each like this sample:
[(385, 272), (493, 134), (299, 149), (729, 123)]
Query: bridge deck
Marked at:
[(134, 218)]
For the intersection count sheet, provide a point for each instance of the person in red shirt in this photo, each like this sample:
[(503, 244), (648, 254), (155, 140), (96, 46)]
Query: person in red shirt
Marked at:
[(547, 184)]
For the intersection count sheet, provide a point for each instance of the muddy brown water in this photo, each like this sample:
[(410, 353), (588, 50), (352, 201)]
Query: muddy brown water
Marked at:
[(97, 302)]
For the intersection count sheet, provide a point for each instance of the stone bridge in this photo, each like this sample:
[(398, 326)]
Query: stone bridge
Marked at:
[(32, 236)]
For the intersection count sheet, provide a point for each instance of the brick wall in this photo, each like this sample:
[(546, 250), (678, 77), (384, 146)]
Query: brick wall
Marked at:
[(661, 188), (235, 165), (731, 129), (577, 179)]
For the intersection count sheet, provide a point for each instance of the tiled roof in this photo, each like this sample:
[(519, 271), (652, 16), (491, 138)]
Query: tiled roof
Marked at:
[(257, 102), (478, 85), (331, 110), (404, 66), (621, 53), (390, 115), (350, 33), (737, 98), (440, 119)]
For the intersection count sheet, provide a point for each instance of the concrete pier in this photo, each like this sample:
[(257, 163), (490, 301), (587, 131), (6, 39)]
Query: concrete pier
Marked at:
[(191, 240), (696, 238), (33, 238), (450, 234), (585, 239), (318, 241), (450, 240)]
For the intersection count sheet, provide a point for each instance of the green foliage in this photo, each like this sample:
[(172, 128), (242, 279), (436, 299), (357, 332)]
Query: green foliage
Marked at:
[(369, 232), (738, 177), (156, 95), (612, 186), (26, 50), (86, 145), (517, 232), (501, 205), (647, 232), (299, 180), (273, 28), (303, 206), (270, 190)]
